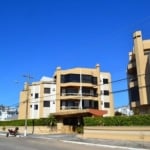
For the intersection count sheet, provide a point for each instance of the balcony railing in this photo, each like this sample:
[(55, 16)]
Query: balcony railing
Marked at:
[(78, 94), (69, 107)]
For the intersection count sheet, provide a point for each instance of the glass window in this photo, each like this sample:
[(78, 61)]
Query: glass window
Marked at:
[(86, 78), (71, 91), (106, 92), (46, 103), (36, 95), (35, 107), (47, 90), (70, 78), (89, 79), (94, 80), (76, 78), (105, 81), (134, 94), (106, 105)]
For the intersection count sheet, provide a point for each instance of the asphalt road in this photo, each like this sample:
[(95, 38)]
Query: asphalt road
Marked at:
[(28, 143), (65, 142)]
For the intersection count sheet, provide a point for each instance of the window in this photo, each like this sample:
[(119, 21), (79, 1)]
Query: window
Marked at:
[(46, 103), (70, 78), (105, 81), (89, 79), (35, 107), (47, 90), (76, 78), (71, 91), (134, 94), (36, 95), (106, 92), (106, 105)]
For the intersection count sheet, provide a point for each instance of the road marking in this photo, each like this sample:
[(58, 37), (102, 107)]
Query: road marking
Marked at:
[(102, 145)]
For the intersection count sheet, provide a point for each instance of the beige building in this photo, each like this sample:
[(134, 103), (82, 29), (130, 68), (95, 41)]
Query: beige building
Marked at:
[(77, 91), (38, 99), (83, 88), (138, 72)]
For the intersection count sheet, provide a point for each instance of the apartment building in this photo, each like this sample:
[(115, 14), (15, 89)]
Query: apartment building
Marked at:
[(73, 91), (38, 100), (138, 72), (83, 88)]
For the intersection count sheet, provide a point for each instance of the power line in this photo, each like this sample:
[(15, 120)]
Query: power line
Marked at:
[(113, 92)]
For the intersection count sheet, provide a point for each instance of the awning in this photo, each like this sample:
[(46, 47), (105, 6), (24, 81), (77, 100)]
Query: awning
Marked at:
[(84, 112)]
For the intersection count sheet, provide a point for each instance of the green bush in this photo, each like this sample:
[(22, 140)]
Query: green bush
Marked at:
[(136, 120), (30, 122), (79, 129)]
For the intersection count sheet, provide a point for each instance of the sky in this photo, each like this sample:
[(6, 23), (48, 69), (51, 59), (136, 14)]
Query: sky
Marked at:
[(36, 36)]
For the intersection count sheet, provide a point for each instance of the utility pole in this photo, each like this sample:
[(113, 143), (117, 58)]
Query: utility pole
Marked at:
[(28, 77)]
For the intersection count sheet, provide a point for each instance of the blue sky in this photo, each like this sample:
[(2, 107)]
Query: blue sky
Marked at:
[(36, 36)]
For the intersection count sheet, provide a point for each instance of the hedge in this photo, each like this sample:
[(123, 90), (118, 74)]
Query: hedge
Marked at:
[(31, 122), (136, 120)]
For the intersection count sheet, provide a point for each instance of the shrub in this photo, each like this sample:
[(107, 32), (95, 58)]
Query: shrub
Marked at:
[(136, 120), (30, 122), (79, 129)]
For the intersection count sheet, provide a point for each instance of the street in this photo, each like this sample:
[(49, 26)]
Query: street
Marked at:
[(29, 143)]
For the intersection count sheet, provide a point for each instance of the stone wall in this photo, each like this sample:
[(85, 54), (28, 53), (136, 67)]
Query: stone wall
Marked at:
[(120, 133), (40, 129)]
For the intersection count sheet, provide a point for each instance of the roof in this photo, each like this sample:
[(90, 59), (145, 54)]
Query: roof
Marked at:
[(44, 78), (84, 112)]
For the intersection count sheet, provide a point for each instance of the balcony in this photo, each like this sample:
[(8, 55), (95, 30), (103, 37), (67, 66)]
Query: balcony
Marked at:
[(69, 107), (78, 96)]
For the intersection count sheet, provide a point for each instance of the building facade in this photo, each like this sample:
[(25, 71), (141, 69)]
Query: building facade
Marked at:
[(38, 100), (106, 96), (69, 90), (83, 88), (138, 72)]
